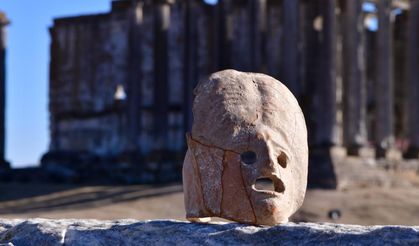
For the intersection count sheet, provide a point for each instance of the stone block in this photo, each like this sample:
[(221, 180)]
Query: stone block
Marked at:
[(170, 232)]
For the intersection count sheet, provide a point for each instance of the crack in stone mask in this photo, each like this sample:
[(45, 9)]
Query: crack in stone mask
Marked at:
[(247, 155)]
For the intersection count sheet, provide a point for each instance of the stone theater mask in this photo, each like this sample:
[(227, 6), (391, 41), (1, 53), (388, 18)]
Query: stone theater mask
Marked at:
[(248, 128)]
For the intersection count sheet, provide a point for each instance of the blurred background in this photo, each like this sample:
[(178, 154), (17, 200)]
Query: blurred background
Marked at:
[(96, 97)]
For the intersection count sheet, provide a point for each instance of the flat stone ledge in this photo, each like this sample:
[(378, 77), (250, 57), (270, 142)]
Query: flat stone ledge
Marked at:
[(169, 232)]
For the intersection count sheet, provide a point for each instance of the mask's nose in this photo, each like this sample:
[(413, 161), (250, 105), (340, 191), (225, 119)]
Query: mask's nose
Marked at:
[(270, 167), (274, 158), (271, 171)]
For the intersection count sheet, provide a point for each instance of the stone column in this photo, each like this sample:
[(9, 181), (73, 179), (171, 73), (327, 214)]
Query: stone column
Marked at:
[(413, 79), (289, 50), (354, 78), (327, 132), (135, 76), (161, 72), (54, 64), (3, 23), (322, 85), (310, 52), (384, 104), (189, 63), (225, 33), (258, 11)]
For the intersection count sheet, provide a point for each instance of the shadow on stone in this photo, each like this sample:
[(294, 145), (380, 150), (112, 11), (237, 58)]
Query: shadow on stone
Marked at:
[(88, 198)]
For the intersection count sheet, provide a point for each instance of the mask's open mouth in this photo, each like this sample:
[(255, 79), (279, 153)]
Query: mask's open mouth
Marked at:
[(269, 185)]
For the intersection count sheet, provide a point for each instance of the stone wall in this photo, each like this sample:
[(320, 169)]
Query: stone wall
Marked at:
[(169, 232), (89, 61)]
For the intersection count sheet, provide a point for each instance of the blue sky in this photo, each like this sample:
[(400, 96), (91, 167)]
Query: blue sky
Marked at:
[(27, 72)]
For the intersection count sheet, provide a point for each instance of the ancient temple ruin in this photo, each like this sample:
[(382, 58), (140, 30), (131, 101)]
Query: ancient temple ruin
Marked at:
[(121, 82)]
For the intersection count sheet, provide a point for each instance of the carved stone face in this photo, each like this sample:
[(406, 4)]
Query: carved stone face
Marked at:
[(247, 127)]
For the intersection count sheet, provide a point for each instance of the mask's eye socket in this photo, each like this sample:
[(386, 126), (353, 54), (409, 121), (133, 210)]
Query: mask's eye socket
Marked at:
[(282, 160), (248, 157)]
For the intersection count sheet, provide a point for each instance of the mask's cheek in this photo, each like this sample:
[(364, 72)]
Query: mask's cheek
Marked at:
[(297, 176), (214, 184), (192, 187), (236, 204), (209, 169)]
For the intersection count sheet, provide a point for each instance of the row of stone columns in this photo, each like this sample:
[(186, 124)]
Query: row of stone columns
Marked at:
[(354, 102), (339, 87)]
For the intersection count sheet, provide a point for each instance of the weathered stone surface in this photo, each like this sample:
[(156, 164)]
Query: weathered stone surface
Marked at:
[(248, 128), (169, 232), (210, 172)]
